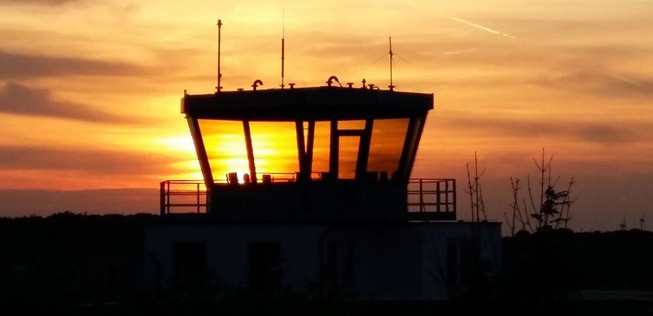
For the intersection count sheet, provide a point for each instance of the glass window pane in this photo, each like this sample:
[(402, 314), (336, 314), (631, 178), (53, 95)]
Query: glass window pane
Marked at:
[(352, 124), (225, 147), (387, 142), (321, 144), (275, 149), (347, 156)]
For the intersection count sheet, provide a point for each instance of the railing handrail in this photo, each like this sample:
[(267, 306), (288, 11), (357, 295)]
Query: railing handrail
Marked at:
[(434, 195), (168, 189)]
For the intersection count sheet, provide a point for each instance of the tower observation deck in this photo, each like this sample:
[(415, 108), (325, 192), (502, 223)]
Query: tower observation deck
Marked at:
[(314, 155)]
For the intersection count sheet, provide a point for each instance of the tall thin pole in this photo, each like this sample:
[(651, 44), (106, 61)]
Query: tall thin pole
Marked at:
[(219, 87), (283, 49), (391, 86), (283, 59)]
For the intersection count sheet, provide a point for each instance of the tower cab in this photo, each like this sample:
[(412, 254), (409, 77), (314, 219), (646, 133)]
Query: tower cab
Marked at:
[(312, 154)]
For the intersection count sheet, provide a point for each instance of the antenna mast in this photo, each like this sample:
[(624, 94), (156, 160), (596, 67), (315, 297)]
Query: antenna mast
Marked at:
[(219, 87), (283, 49), (391, 86)]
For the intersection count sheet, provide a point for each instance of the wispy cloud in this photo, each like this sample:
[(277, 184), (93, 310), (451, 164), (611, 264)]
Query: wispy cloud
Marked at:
[(40, 2), (599, 81), (569, 128), (484, 28), (626, 80), (458, 52), (88, 161), (16, 66), (22, 100)]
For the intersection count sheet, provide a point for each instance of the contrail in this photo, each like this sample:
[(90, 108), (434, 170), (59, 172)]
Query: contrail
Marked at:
[(484, 28), (457, 52), (626, 80)]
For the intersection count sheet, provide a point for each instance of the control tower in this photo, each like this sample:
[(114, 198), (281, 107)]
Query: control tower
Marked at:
[(310, 188)]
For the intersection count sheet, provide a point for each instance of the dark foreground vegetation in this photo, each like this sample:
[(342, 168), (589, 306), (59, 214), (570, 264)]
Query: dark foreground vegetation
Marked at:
[(93, 263)]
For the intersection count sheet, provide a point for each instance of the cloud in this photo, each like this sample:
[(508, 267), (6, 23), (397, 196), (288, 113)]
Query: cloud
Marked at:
[(94, 162), (595, 132), (19, 99), (14, 66), (597, 80), (40, 2)]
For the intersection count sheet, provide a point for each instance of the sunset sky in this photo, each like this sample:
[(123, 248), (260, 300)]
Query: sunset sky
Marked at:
[(90, 91)]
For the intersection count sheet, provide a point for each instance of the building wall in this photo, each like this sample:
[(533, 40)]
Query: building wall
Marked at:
[(380, 261), (227, 251), (448, 255)]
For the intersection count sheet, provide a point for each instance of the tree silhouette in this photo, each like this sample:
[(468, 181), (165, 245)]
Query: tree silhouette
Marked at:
[(475, 192), (552, 209)]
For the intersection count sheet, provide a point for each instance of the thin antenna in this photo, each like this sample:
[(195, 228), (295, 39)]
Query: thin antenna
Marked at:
[(219, 87), (283, 49), (391, 86)]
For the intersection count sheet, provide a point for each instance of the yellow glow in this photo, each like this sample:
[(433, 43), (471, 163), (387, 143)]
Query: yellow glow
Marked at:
[(182, 143), (224, 142), (321, 147), (187, 170), (351, 124), (275, 147), (347, 157)]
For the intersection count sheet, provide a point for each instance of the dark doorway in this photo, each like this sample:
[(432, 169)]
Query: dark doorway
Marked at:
[(340, 265), (264, 266), (189, 263), (459, 258)]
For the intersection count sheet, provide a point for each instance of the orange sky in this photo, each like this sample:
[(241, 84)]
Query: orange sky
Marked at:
[(90, 91)]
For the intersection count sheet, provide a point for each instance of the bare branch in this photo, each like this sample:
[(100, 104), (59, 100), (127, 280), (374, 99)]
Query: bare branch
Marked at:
[(482, 202), (470, 191)]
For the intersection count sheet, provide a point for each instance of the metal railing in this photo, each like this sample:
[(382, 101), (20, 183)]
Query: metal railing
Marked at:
[(185, 196), (432, 196), (424, 196)]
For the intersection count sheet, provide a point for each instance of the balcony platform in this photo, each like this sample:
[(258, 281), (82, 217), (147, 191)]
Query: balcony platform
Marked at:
[(289, 201)]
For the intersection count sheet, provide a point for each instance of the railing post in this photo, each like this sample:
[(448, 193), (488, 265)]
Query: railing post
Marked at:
[(446, 195), (454, 197), (162, 199), (168, 196), (422, 208), (438, 201), (198, 197)]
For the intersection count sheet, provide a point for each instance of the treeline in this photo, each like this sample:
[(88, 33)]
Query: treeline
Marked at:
[(71, 258), (559, 264)]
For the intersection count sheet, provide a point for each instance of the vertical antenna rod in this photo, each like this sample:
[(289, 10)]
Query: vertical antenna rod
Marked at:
[(391, 86), (283, 48), (219, 87)]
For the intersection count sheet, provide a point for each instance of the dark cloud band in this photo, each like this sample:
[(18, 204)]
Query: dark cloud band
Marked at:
[(22, 100), (94, 162), (40, 2), (16, 66)]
